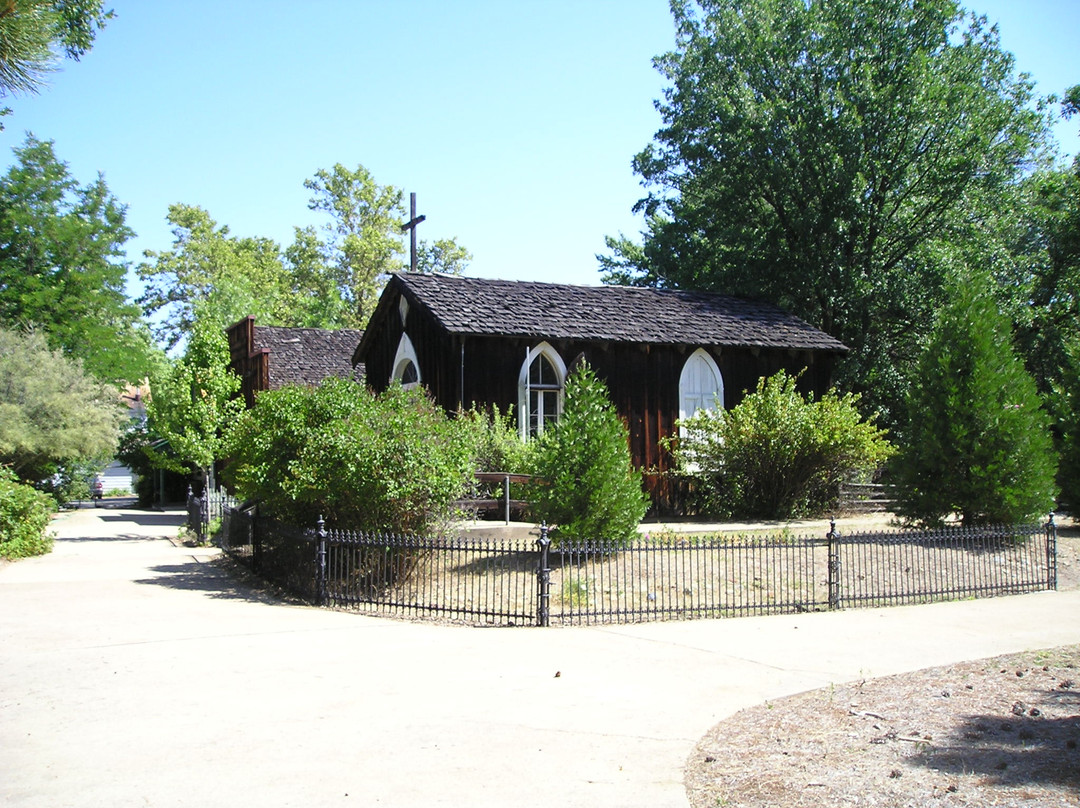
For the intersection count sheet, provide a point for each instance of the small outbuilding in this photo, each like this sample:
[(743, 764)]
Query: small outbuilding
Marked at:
[(662, 353), (269, 357)]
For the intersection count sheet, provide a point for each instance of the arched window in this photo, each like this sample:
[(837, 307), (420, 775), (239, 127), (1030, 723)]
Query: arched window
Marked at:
[(540, 390), (701, 387), (406, 365)]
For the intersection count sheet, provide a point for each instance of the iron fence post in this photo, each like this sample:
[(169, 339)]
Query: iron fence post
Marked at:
[(320, 563), (1051, 553), (543, 579), (834, 566)]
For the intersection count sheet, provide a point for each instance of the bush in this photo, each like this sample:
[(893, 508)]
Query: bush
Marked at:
[(777, 455), (388, 462), (978, 442), (24, 518), (497, 447), (593, 493)]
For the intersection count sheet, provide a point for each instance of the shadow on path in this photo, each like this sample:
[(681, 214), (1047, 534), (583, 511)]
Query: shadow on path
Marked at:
[(214, 580), (119, 537), (147, 519)]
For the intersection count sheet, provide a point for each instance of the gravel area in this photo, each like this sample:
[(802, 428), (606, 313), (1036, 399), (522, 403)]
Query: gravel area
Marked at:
[(995, 732)]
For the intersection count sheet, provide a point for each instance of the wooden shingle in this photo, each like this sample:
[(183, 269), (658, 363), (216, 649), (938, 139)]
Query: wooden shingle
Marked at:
[(482, 307)]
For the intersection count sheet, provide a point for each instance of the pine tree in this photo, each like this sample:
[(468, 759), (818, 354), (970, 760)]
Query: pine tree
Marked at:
[(978, 443), (592, 491)]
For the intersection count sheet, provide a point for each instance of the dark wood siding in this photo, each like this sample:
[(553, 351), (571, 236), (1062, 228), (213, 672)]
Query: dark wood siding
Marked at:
[(252, 365), (643, 379)]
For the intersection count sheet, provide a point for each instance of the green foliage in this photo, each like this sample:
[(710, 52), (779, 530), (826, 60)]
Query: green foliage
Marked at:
[(31, 29), (24, 518), (193, 400), (364, 241), (777, 455), (443, 255), (497, 446), (212, 275), (811, 155), (143, 451), (593, 493), (978, 443), (62, 267), (314, 296), (332, 281), (387, 462), (52, 413)]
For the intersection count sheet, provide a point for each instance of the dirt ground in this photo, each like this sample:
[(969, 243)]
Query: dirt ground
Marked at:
[(1000, 732)]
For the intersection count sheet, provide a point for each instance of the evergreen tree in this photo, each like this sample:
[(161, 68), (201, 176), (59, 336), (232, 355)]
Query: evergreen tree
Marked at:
[(978, 442), (592, 491)]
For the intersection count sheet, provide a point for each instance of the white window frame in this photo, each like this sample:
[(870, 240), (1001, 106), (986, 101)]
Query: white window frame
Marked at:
[(524, 389), (717, 403), (405, 355)]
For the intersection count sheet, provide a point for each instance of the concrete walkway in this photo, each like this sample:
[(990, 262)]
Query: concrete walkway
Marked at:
[(134, 673)]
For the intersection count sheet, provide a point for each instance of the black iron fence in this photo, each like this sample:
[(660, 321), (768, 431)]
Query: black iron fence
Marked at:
[(206, 510), (661, 577)]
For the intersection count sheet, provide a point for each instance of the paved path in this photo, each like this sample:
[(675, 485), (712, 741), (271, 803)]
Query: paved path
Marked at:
[(134, 673)]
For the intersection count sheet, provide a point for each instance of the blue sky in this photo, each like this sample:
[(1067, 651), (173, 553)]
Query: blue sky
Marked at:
[(514, 121)]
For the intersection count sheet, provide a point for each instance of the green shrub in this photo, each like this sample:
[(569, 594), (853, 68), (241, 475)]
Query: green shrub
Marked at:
[(777, 455), (497, 446), (978, 443), (388, 462), (593, 493), (24, 518)]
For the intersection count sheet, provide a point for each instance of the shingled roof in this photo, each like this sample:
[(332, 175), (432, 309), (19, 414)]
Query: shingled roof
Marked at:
[(307, 355), (481, 307)]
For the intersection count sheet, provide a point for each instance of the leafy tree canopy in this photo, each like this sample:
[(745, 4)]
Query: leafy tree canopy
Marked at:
[(62, 267), (812, 152), (328, 278), (52, 412), (223, 277), (364, 241)]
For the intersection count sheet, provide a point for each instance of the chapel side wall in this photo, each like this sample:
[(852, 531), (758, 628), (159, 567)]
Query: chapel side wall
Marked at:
[(434, 353)]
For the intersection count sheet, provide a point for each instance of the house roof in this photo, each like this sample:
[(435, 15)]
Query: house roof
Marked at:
[(307, 355), (482, 307)]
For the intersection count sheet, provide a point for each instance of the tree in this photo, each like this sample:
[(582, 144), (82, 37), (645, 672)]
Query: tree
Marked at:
[(811, 152), (52, 413), (363, 242), (193, 401), (32, 30), (314, 295), (978, 442), (443, 255), (62, 267), (211, 274), (591, 491)]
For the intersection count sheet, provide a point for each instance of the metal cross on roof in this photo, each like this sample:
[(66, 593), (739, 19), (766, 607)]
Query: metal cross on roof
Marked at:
[(410, 226)]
